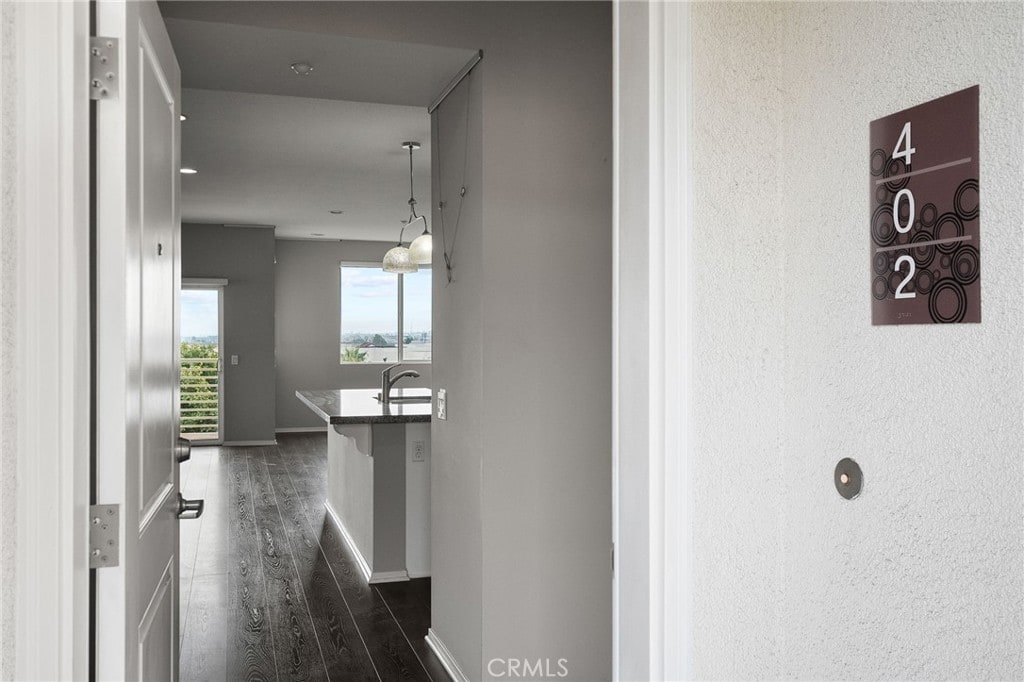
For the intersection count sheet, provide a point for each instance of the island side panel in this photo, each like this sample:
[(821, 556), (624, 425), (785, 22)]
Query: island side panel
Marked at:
[(350, 487), (417, 501), (389, 503)]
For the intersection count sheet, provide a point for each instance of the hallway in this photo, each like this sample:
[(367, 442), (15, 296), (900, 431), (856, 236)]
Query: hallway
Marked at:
[(268, 588)]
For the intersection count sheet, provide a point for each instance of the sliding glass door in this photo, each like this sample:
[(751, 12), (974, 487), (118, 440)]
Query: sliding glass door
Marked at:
[(202, 385)]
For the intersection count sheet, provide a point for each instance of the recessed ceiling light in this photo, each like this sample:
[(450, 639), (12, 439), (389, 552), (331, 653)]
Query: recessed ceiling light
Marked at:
[(336, 211), (302, 68), (182, 117), (188, 171)]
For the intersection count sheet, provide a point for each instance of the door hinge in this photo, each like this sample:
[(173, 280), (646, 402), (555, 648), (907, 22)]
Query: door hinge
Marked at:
[(104, 535), (103, 68), (613, 558)]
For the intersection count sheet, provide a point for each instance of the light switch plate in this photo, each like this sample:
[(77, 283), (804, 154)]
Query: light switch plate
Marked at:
[(442, 403), (234, 359)]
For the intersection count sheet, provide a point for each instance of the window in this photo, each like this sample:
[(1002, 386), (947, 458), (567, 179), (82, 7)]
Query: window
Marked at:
[(384, 317)]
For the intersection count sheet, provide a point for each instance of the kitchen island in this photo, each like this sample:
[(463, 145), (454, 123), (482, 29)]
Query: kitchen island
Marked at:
[(378, 477)]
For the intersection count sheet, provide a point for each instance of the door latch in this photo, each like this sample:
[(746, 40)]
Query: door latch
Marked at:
[(104, 535)]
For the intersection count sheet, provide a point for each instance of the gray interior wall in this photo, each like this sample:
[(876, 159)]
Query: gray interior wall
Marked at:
[(919, 577), (8, 319), (245, 257), (547, 293), (308, 294), (457, 452)]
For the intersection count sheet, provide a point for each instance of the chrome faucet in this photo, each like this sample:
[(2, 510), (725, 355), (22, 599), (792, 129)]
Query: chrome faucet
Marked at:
[(386, 381)]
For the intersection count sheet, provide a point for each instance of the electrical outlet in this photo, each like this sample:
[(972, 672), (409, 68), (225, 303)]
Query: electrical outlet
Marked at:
[(234, 359), (442, 403), (419, 451)]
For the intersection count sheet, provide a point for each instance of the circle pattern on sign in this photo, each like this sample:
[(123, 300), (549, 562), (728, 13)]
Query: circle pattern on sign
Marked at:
[(948, 225), (879, 288), (964, 192), (923, 255), (923, 281), (879, 159), (881, 263), (947, 302), (896, 167), (966, 264), (928, 214), (882, 230)]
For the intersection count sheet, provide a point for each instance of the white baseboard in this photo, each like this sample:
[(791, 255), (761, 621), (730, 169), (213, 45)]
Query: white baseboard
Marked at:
[(247, 443), (451, 666), (364, 566), (372, 577), (389, 577), (418, 574), (302, 429)]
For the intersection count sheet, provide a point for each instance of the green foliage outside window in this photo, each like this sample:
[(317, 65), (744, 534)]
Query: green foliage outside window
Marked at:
[(353, 355), (199, 388)]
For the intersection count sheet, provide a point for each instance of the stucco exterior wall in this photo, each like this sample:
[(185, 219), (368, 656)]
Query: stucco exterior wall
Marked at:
[(921, 576)]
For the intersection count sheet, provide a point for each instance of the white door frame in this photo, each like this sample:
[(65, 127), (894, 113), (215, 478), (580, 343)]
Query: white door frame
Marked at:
[(652, 313), (51, 339)]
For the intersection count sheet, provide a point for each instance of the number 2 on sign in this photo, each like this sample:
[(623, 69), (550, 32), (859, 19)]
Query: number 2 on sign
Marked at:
[(905, 154), (911, 267)]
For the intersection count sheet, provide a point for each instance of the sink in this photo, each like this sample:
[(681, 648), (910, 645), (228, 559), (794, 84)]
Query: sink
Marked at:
[(406, 399)]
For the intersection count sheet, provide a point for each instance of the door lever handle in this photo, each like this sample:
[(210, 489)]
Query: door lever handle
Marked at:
[(190, 509), (183, 450)]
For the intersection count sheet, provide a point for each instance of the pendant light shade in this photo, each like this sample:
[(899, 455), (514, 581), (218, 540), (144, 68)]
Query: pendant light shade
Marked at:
[(421, 249), (398, 260), (423, 246), (403, 260)]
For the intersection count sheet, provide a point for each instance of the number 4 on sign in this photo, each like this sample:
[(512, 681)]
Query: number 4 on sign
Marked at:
[(904, 142)]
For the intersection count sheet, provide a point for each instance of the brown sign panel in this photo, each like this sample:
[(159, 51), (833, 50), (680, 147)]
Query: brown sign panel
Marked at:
[(925, 250)]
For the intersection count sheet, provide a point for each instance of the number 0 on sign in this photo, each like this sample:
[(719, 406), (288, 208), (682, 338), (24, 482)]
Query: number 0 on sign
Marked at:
[(925, 213)]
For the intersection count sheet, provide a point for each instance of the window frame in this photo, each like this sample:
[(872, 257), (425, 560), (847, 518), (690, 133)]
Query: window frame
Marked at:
[(401, 317)]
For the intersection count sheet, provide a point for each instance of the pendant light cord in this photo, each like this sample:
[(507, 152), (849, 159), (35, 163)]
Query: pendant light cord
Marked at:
[(412, 194), (450, 254)]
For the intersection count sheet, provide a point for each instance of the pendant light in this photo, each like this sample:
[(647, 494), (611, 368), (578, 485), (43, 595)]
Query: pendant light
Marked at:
[(403, 260), (421, 249), (397, 260)]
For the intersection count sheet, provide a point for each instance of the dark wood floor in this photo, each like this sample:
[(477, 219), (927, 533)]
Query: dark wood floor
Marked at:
[(269, 591)]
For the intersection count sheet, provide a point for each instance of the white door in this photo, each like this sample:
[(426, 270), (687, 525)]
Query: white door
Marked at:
[(137, 280)]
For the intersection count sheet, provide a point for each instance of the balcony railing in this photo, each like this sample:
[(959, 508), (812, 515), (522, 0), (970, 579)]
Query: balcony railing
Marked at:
[(200, 398)]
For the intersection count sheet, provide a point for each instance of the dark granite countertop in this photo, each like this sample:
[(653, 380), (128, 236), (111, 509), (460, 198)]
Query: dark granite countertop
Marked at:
[(360, 406)]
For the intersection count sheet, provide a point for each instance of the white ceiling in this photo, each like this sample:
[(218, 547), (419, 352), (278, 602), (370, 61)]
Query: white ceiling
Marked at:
[(217, 56), (287, 161), (274, 148)]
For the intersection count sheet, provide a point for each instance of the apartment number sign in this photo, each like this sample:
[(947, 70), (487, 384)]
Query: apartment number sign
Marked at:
[(925, 208)]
